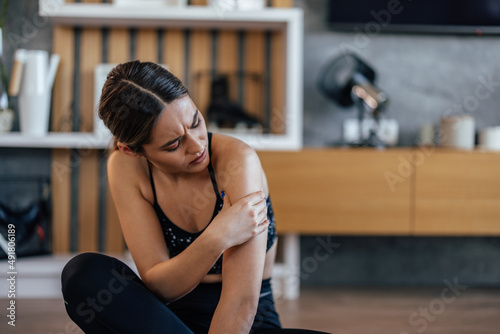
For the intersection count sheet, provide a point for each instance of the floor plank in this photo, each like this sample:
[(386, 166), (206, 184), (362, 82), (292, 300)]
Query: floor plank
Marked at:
[(336, 310)]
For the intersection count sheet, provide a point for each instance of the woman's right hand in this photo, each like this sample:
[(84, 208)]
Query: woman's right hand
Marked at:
[(239, 222)]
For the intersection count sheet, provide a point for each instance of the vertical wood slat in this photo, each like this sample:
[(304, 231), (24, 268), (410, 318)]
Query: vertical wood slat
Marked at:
[(61, 200), (147, 45), (278, 63), (198, 2), (88, 197), (118, 45), (227, 59), (282, 3), (118, 52), (61, 121), (254, 63), (200, 61), (174, 56), (278, 104)]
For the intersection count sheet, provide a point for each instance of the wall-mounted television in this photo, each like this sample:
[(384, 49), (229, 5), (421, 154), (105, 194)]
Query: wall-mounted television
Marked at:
[(416, 16)]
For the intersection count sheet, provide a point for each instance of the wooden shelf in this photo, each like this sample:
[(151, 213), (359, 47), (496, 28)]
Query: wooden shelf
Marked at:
[(56, 140), (104, 14)]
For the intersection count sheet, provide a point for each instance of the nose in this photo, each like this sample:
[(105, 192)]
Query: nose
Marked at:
[(194, 144)]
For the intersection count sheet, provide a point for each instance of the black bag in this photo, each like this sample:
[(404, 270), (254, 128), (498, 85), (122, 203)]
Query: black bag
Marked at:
[(31, 232)]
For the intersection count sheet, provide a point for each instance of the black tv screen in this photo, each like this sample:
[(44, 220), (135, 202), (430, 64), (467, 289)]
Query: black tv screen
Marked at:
[(419, 16)]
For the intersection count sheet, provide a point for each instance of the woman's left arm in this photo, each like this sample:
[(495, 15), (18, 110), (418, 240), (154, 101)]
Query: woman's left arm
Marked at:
[(240, 174)]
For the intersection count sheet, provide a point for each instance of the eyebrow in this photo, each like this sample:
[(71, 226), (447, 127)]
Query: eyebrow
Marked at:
[(170, 142)]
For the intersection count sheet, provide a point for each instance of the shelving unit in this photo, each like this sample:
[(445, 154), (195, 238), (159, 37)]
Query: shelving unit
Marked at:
[(286, 22), (289, 21)]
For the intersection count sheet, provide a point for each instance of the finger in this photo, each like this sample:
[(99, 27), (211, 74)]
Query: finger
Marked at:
[(262, 214), (262, 226), (255, 198)]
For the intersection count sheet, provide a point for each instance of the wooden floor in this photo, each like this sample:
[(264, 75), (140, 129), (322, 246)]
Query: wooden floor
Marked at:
[(335, 310)]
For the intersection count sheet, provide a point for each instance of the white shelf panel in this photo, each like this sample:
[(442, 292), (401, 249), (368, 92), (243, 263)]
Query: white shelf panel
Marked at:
[(104, 14), (260, 142), (55, 140)]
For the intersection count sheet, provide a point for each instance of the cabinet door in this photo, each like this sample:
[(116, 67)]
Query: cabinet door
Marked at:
[(458, 193), (338, 191)]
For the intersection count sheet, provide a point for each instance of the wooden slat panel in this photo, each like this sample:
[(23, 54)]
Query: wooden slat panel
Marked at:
[(337, 191), (282, 3), (88, 205), (63, 38), (278, 63), (174, 55), (255, 63), (88, 196), (90, 56), (114, 236), (147, 45), (227, 58), (118, 52), (61, 200), (118, 46), (278, 83), (458, 193), (198, 2), (200, 61)]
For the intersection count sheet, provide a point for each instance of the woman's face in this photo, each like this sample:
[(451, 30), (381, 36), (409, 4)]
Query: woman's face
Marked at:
[(179, 142)]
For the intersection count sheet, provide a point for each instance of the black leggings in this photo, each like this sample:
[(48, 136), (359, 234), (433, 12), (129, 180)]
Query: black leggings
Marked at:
[(103, 295)]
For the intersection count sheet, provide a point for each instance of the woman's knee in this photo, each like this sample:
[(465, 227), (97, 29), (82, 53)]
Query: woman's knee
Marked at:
[(92, 272)]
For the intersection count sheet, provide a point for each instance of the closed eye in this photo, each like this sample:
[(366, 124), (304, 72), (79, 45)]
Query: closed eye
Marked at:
[(196, 123)]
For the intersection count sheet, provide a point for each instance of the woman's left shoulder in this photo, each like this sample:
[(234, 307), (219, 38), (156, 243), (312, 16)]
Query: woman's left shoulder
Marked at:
[(227, 149)]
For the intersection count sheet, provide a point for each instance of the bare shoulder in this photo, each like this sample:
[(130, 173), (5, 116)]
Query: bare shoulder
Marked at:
[(236, 164), (227, 150), (121, 165), (127, 173)]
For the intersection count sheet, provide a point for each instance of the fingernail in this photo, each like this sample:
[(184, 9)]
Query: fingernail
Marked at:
[(222, 194)]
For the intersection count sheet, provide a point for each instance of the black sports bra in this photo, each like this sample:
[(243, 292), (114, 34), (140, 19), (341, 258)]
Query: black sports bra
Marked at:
[(178, 239)]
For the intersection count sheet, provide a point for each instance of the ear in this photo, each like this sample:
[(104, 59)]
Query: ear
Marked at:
[(126, 150)]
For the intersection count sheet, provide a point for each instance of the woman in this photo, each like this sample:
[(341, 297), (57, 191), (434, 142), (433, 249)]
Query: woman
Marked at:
[(196, 216)]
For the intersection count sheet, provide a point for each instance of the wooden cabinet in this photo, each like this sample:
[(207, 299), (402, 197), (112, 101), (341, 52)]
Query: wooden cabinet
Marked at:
[(337, 191), (391, 192), (458, 193)]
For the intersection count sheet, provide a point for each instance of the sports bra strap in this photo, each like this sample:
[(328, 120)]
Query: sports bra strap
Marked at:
[(152, 182), (210, 168)]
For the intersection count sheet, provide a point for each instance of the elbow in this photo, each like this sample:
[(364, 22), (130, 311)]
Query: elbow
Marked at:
[(157, 285), (151, 283)]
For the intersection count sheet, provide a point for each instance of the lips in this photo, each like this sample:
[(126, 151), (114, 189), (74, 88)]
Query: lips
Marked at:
[(200, 159)]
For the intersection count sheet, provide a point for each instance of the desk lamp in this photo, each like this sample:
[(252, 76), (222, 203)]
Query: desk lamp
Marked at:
[(348, 81)]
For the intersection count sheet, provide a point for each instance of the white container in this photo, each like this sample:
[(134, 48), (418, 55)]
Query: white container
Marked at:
[(457, 132), (387, 130), (427, 135), (489, 138), (35, 91)]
